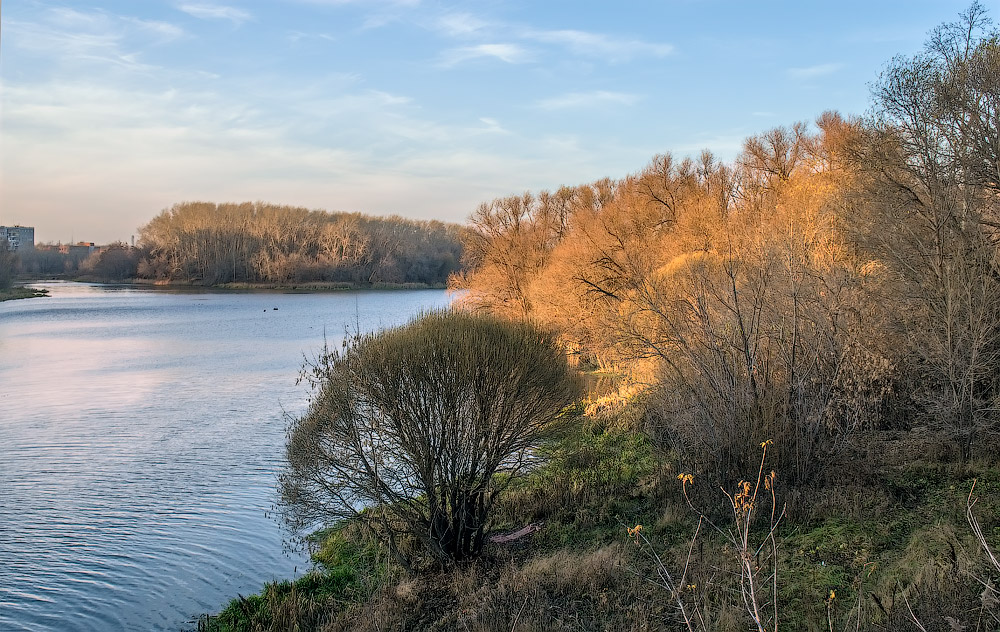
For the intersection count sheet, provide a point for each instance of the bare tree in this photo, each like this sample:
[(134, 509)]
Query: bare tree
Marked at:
[(256, 242), (931, 159), (8, 266), (415, 431)]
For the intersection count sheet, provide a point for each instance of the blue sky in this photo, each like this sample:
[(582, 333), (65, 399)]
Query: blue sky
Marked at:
[(113, 110)]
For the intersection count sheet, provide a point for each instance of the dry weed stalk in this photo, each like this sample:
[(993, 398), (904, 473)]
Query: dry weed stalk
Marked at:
[(757, 559), (692, 615), (990, 596)]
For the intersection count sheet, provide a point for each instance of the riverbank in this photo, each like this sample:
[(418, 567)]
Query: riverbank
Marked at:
[(886, 535), (328, 286), (303, 287), (20, 292)]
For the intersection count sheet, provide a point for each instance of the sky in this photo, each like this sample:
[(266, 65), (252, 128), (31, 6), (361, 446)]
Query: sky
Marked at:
[(114, 110)]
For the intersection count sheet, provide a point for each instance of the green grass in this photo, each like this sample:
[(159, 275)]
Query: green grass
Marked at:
[(346, 570), (15, 293), (594, 479)]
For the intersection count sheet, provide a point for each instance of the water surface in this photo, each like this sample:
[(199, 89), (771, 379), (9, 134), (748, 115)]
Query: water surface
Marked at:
[(140, 434)]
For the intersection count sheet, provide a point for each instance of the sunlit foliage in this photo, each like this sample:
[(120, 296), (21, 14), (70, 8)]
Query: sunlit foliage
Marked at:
[(835, 278), (261, 243)]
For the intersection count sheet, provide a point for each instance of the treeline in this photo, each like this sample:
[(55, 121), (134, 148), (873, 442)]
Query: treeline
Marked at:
[(834, 280), (115, 262), (213, 244), (262, 243)]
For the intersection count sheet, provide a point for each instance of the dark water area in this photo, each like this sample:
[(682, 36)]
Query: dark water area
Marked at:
[(140, 434)]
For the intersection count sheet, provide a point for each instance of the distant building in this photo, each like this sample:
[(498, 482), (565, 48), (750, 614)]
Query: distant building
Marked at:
[(18, 237), (80, 248)]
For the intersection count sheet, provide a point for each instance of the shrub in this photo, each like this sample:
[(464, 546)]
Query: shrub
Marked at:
[(410, 428)]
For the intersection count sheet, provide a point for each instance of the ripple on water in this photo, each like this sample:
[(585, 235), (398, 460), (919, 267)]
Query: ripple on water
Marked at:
[(141, 433)]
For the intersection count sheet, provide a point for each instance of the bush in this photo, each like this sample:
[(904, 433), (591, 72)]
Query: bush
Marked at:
[(415, 431)]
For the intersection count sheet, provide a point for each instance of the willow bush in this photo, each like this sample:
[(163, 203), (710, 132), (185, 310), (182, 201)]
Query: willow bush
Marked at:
[(415, 431)]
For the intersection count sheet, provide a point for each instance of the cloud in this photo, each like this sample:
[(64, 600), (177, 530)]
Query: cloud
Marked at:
[(78, 143), (216, 12), (460, 24), (509, 53), (71, 38), (166, 31), (492, 126), (298, 36), (811, 72), (600, 45), (586, 100)]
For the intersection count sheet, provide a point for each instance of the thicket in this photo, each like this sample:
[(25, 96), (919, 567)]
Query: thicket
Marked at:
[(47, 261), (262, 243), (830, 282)]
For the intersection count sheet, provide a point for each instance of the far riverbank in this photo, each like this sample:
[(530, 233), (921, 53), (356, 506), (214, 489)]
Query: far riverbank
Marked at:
[(303, 286), (18, 292), (307, 286)]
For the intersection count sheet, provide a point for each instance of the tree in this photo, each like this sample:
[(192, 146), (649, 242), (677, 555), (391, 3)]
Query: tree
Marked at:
[(415, 431), (8, 267), (264, 243), (931, 159), (117, 262)]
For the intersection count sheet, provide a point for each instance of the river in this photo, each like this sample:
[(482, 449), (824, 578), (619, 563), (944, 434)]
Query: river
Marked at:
[(140, 434)]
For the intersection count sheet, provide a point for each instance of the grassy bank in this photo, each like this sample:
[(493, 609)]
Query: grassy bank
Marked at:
[(879, 541), (21, 292)]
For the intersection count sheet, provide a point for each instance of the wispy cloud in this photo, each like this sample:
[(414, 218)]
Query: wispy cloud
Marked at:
[(509, 53), (69, 38), (460, 24), (164, 31), (492, 126), (811, 72), (586, 100), (600, 45), (216, 12), (297, 36)]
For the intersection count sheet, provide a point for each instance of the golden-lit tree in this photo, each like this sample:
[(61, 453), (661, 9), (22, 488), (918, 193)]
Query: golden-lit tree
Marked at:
[(256, 242)]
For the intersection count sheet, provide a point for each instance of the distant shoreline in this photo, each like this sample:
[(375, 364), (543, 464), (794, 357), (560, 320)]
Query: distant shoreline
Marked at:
[(19, 292), (302, 287)]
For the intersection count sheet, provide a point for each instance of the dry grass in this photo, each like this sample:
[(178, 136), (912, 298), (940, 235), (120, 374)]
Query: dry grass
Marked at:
[(561, 591)]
